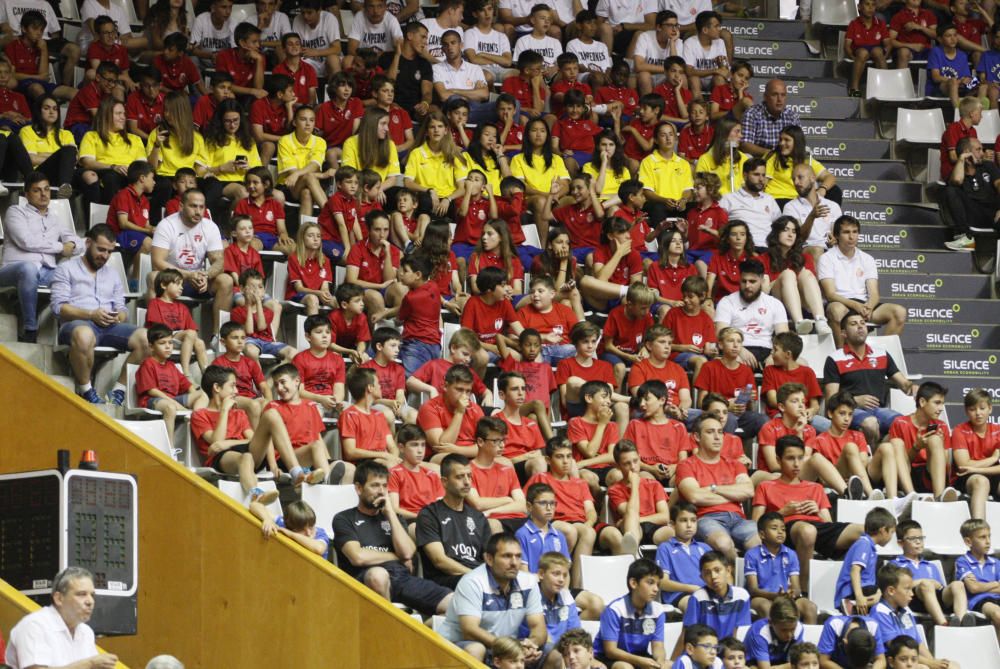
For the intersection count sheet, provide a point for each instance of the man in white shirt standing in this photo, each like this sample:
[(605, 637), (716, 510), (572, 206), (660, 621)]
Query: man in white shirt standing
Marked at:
[(754, 313), (58, 635), (373, 28), (456, 77), (814, 213), (849, 279), (652, 47), (751, 204)]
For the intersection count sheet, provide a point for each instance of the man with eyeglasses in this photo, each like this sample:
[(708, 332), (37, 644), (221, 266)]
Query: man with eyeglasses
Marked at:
[(450, 533), (495, 488)]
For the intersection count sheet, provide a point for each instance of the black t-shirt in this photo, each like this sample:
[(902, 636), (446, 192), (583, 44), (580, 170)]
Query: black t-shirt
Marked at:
[(372, 532), (408, 80), (978, 186), (462, 533)]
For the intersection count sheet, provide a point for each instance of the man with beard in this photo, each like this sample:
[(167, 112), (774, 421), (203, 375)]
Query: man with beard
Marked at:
[(450, 533), (971, 194), (493, 600), (815, 214), (753, 312), (58, 635), (751, 204), (88, 298), (848, 278), (864, 371), (36, 241), (763, 122), (373, 546)]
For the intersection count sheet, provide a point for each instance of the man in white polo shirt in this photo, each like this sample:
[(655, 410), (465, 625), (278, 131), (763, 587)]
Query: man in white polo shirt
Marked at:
[(849, 279), (457, 77), (58, 635), (756, 314), (815, 214), (751, 204)]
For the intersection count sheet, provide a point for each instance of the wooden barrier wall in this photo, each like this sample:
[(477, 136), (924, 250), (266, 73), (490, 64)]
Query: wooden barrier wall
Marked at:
[(212, 591)]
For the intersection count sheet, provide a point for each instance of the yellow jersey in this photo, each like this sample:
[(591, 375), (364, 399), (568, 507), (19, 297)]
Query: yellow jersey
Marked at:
[(294, 156), (535, 175), (779, 181), (117, 151), (219, 155), (48, 144), (492, 173), (351, 158), (667, 177), (706, 164), (611, 181), (430, 170), (171, 158)]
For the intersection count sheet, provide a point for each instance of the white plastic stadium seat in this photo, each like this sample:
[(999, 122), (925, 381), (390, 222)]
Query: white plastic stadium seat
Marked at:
[(988, 127), (890, 86), (243, 13), (98, 214), (329, 500), (234, 490), (967, 646), (834, 12), (811, 633), (823, 583), (154, 432), (894, 347), (815, 351), (941, 522), (933, 167), (605, 576), (919, 126)]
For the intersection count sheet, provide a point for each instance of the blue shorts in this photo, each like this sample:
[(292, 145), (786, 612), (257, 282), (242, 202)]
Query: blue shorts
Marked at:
[(131, 240), (191, 291), (267, 347), (268, 240), (79, 130), (298, 297), (153, 401), (613, 359), (332, 249), (239, 299), (684, 359), (25, 84), (727, 522), (575, 409), (526, 254), (582, 157), (580, 253), (115, 336), (650, 255), (703, 255), (462, 250), (884, 416)]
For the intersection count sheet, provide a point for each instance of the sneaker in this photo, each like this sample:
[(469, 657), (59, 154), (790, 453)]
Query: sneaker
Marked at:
[(91, 396), (949, 495), (953, 621), (805, 326), (265, 498), (629, 545), (854, 93), (822, 328), (335, 474), (28, 337), (877, 495), (64, 192), (855, 489), (904, 506), (117, 397), (968, 620), (3, 191), (315, 476), (962, 243)]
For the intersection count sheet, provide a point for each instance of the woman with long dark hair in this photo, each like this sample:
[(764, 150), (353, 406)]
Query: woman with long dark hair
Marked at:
[(373, 149), (717, 160), (608, 168), (792, 151), (486, 155), (45, 146), (106, 152), (231, 154), (173, 145), (544, 173), (790, 275)]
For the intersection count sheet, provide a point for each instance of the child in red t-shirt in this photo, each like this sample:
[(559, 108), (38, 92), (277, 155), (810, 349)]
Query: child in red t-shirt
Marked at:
[(28, 53), (549, 318), (350, 333), (572, 373), (339, 218), (867, 39), (593, 434), (295, 67), (253, 393), (391, 377), (339, 117), (224, 436), (496, 249), (622, 100), (668, 273), (420, 313), (463, 348), (258, 320), (632, 199), (911, 31), (616, 265), (557, 261), (144, 105), (582, 217), (732, 445), (925, 440), (321, 371), (495, 487), (573, 135), (525, 441), (724, 268), (372, 266), (638, 134), (661, 441), (974, 447), (696, 137), (656, 365), (165, 309), (490, 315), (240, 256), (732, 378), (541, 382), (733, 98), (159, 385), (407, 225), (651, 521), (364, 432), (413, 483), (107, 49), (694, 341), (128, 213), (528, 87), (309, 272), (266, 211), (704, 220), (204, 108), (450, 419), (568, 80), (624, 329), (510, 133), (786, 369), (456, 111), (675, 95), (477, 206), (271, 116), (179, 71)]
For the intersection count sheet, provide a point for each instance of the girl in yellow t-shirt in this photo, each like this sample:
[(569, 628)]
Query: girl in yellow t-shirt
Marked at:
[(792, 151), (607, 169), (486, 155), (106, 152), (231, 151), (173, 145), (728, 134), (45, 146), (300, 162), (435, 168), (372, 149), (544, 174)]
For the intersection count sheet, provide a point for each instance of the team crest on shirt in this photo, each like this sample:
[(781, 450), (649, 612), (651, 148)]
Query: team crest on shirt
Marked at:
[(197, 238), (762, 311), (498, 323), (859, 273), (516, 600), (696, 339), (322, 273), (482, 215), (470, 525), (416, 75), (145, 213), (269, 215), (386, 527), (558, 330), (563, 614), (648, 625), (302, 80)]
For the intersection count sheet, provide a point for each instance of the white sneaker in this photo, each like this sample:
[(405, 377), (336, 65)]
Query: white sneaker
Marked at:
[(805, 326), (962, 243), (877, 495), (903, 505), (3, 191), (949, 495), (822, 328)]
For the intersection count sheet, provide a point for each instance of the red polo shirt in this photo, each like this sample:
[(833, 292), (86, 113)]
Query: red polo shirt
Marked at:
[(129, 202), (712, 216), (369, 262), (335, 123), (231, 61), (116, 53), (348, 334), (582, 224), (22, 56), (949, 142), (558, 108), (667, 280), (11, 100), (519, 87), (273, 118), (724, 96), (470, 226), (867, 36), (698, 330), (312, 276), (693, 143), (146, 114), (576, 135), (399, 123), (421, 314), (204, 110), (623, 94), (342, 204), (671, 108), (629, 266), (632, 148), (265, 216), (304, 78), (624, 332), (88, 97), (178, 74)]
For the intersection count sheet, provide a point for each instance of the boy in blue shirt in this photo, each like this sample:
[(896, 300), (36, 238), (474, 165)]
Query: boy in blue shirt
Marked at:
[(988, 68), (894, 616), (701, 649), (733, 653), (769, 638), (723, 607), (931, 593), (298, 524), (979, 571), (857, 575), (948, 71), (850, 642), (561, 613), (771, 570), (680, 557), (631, 629)]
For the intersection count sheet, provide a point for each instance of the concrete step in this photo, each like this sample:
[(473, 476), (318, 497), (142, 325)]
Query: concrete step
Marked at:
[(831, 107), (838, 129), (8, 327), (816, 88), (922, 286), (908, 214), (919, 336), (823, 148), (868, 190), (898, 236), (928, 264), (942, 311), (869, 170), (756, 50), (764, 29), (800, 68)]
